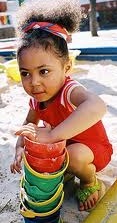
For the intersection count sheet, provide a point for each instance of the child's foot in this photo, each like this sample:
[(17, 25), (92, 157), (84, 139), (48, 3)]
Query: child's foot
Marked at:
[(88, 196)]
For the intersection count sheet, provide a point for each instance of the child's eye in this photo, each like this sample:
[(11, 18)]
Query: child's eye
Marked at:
[(25, 73), (43, 71)]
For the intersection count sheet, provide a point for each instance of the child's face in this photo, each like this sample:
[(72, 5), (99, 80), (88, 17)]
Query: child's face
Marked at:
[(42, 73)]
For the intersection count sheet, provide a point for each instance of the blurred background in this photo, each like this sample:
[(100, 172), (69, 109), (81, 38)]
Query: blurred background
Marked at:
[(99, 15)]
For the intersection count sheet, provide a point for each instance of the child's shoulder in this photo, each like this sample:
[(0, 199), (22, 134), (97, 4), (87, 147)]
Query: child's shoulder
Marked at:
[(70, 82), (69, 85)]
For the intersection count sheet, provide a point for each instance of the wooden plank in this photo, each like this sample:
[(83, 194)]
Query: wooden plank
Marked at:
[(106, 209)]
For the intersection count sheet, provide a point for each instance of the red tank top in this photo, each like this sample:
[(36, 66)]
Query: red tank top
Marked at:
[(60, 108)]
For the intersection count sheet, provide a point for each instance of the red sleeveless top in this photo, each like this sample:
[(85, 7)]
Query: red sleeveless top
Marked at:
[(60, 108)]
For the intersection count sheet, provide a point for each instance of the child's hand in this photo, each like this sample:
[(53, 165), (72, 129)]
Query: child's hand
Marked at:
[(35, 133), (16, 165)]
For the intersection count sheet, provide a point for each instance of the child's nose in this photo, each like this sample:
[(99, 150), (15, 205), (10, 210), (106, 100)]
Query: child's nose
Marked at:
[(35, 79)]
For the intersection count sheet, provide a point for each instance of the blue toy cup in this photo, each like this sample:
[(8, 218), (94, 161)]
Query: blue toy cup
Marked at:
[(54, 218)]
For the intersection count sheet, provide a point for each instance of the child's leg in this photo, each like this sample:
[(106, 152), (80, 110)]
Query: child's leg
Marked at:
[(81, 158)]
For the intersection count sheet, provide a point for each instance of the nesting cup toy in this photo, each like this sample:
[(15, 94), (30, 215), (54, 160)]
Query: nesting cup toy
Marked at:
[(41, 191)]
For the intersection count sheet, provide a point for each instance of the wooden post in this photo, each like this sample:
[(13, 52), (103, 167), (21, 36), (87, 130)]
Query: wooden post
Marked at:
[(20, 2), (92, 18)]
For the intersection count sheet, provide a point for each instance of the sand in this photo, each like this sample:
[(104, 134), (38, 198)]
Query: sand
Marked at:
[(99, 77)]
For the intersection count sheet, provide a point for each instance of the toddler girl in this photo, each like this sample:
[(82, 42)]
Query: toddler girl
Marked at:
[(70, 111)]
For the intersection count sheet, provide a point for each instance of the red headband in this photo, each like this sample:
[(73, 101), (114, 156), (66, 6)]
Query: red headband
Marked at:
[(49, 27)]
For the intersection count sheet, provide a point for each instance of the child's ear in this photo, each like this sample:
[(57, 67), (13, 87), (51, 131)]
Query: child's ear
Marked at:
[(68, 66)]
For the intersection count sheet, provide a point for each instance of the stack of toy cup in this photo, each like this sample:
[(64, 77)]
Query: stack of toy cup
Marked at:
[(42, 184)]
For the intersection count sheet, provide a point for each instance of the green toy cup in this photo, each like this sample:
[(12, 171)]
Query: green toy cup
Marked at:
[(29, 213), (44, 206), (45, 182), (35, 194)]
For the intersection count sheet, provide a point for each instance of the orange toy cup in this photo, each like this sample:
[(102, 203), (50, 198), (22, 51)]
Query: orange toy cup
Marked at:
[(43, 150), (48, 165)]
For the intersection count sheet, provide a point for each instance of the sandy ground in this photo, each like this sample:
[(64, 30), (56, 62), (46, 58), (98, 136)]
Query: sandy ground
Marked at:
[(100, 77)]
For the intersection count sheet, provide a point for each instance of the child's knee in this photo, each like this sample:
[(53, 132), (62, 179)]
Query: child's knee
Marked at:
[(80, 156)]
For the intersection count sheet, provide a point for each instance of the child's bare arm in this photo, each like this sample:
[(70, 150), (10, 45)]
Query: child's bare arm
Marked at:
[(16, 165), (90, 108)]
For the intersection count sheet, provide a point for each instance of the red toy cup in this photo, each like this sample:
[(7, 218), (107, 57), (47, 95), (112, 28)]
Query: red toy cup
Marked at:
[(47, 165), (43, 150)]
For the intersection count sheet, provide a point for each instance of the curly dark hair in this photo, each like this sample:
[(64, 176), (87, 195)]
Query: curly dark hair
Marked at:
[(66, 13)]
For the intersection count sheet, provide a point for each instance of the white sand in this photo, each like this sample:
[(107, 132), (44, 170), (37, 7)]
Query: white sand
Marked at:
[(100, 77)]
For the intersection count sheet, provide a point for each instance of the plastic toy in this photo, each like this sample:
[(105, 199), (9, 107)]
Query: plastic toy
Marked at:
[(11, 69), (44, 150)]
